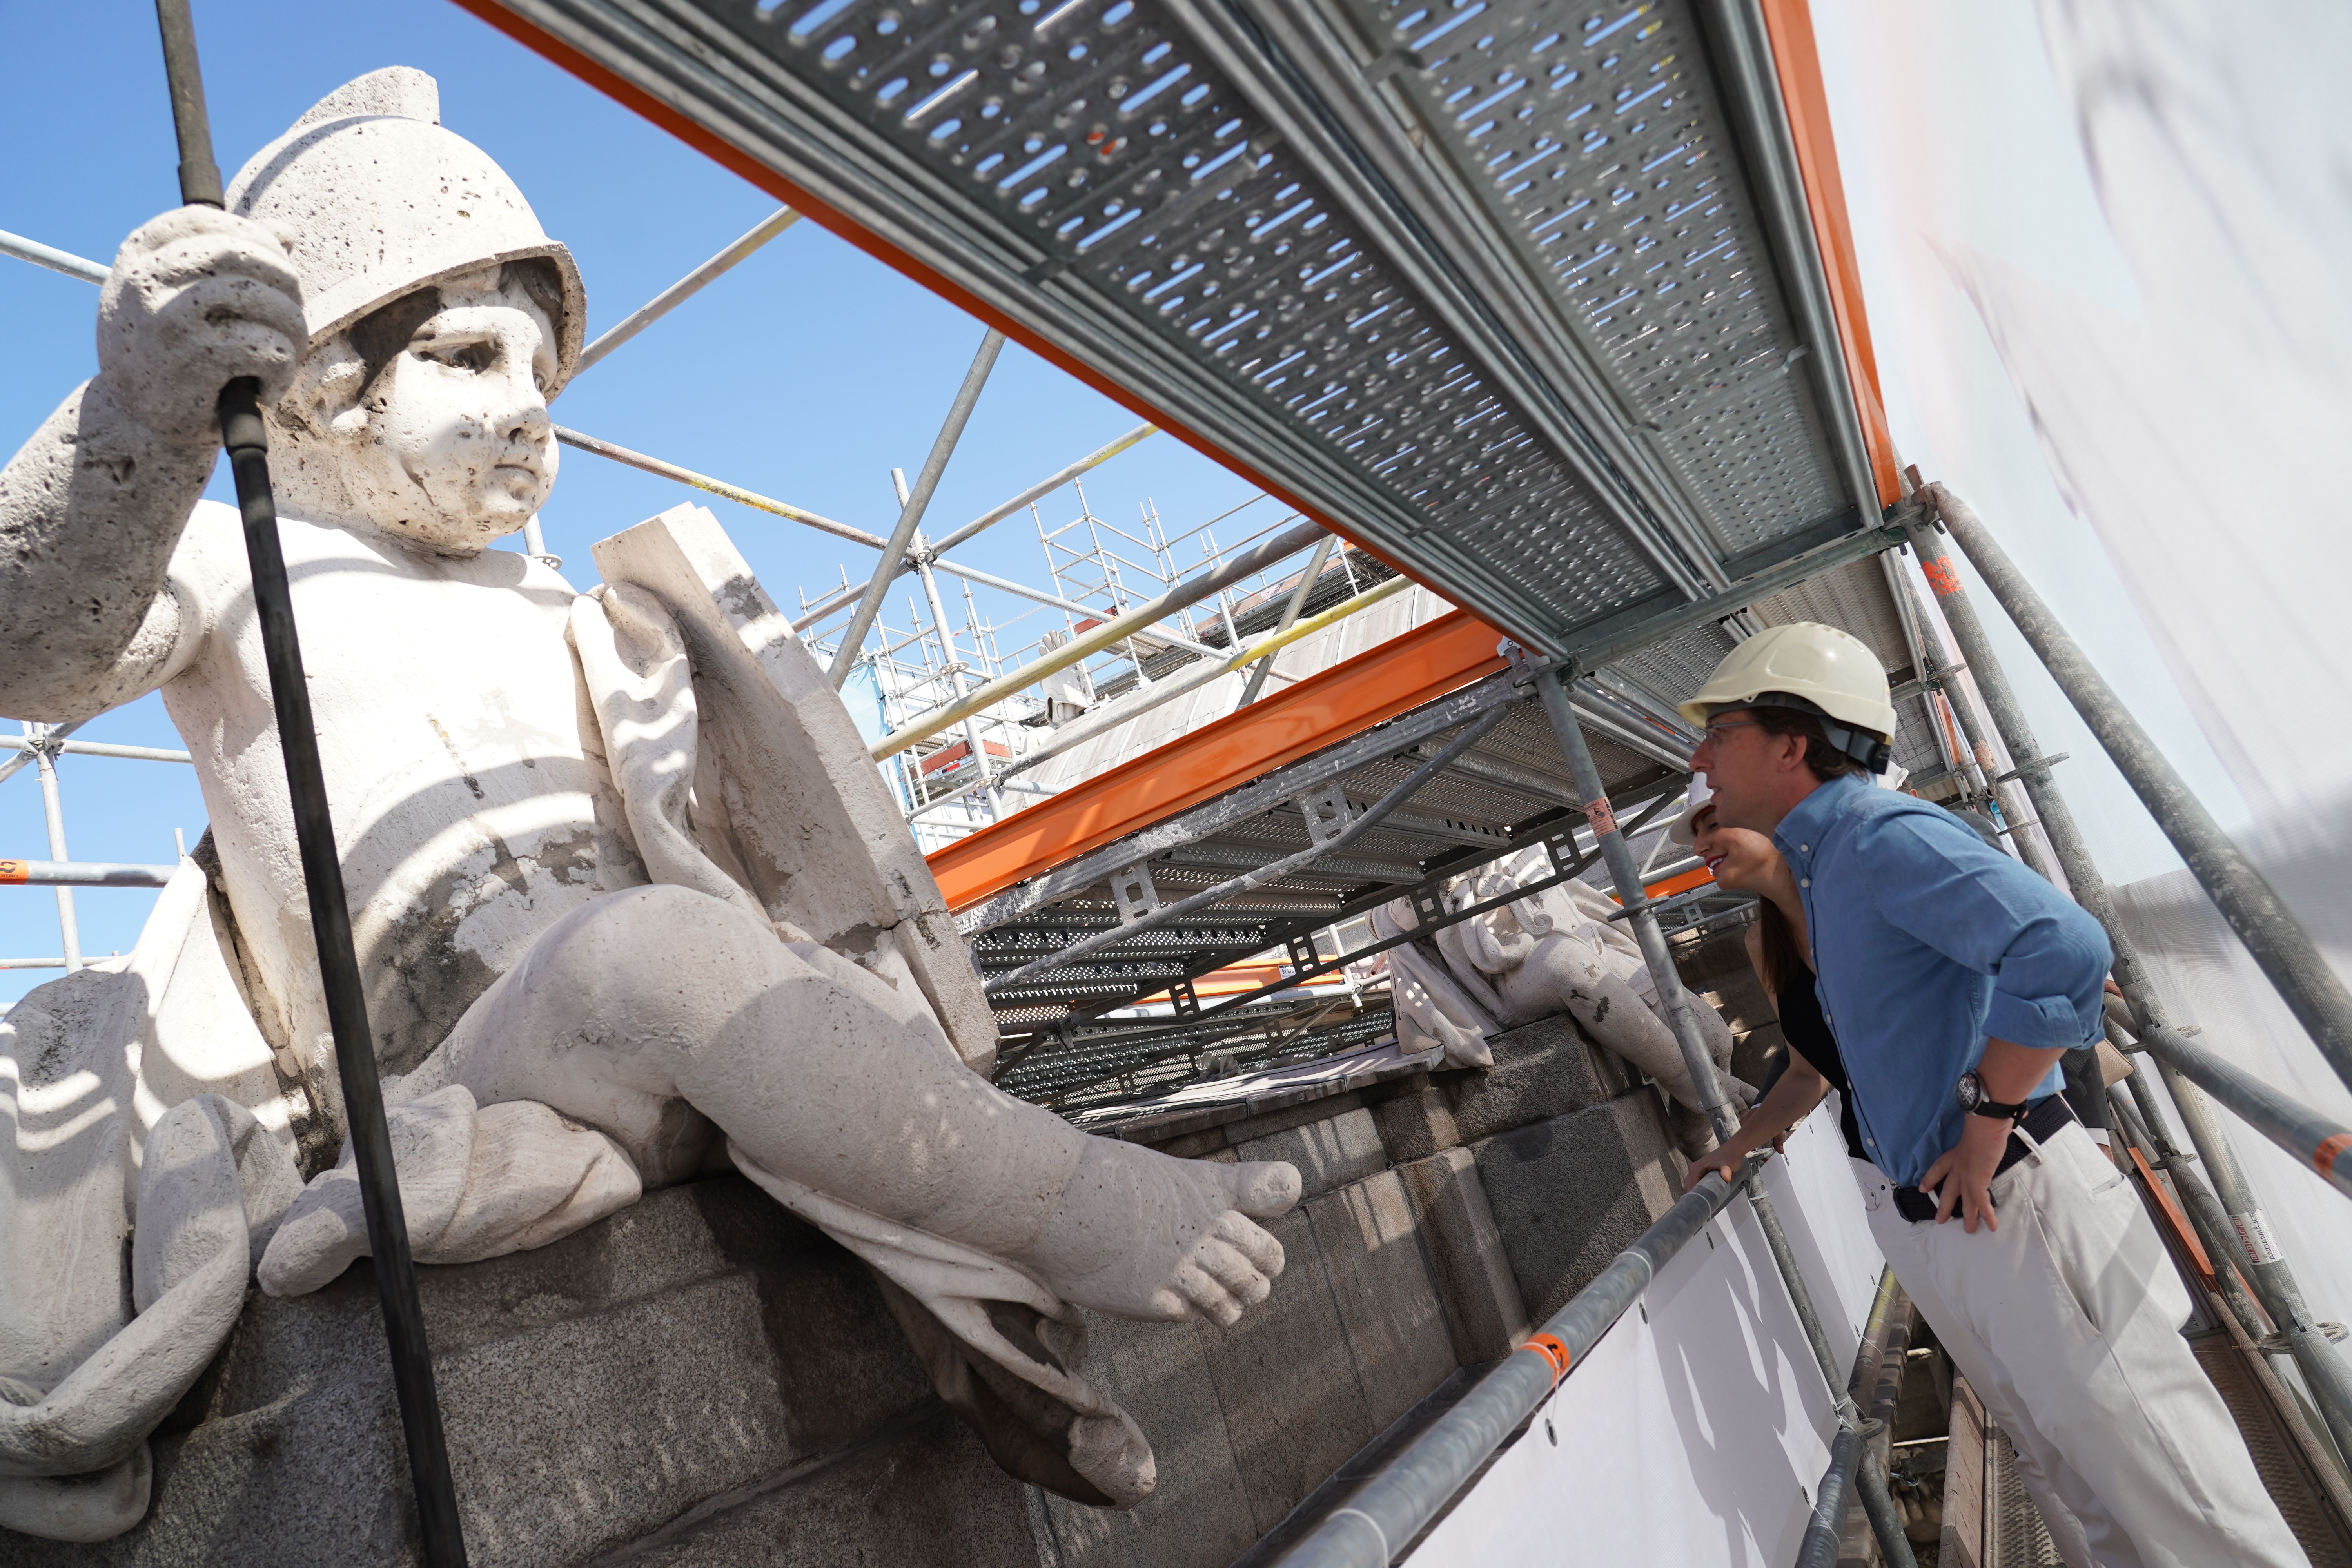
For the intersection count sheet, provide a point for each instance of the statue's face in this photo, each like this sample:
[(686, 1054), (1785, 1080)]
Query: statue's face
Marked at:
[(450, 442)]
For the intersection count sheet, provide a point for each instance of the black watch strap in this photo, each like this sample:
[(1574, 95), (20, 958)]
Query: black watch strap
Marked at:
[(1973, 1099)]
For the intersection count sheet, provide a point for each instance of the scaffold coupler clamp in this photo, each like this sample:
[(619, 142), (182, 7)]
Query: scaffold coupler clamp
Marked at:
[(1524, 668)]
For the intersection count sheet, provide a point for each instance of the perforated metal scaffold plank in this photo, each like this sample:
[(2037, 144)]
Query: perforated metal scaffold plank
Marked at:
[(1486, 286)]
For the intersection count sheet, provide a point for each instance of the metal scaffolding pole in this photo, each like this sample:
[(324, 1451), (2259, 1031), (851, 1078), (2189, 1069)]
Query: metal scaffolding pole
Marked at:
[(910, 516), (2133, 1116), (685, 289), (58, 745), (1158, 914), (1705, 1082), (2289, 959), (26, 748), (55, 260), (1981, 766), (1642, 918), (1120, 629), (2272, 1280), (1397, 1500), (1109, 716), (1856, 1456), (44, 758), (1289, 615), (954, 662), (988, 519)]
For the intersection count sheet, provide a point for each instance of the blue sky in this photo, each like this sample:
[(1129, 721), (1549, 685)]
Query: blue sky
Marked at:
[(806, 374)]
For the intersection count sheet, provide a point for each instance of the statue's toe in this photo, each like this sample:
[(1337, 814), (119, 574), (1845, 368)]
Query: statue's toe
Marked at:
[(1264, 1188)]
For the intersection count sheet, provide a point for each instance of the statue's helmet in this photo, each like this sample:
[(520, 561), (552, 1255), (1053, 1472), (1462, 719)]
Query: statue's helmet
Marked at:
[(382, 201)]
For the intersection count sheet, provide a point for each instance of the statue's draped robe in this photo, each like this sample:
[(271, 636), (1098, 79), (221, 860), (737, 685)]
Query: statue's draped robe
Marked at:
[(147, 1108)]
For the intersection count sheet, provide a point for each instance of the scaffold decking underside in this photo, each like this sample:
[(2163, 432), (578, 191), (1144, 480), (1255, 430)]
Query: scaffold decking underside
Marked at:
[(1524, 297)]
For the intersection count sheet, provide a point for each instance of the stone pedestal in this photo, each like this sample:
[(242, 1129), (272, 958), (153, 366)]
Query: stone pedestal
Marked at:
[(703, 1381), (700, 1379), (1542, 1070), (1569, 1194), (1247, 1421)]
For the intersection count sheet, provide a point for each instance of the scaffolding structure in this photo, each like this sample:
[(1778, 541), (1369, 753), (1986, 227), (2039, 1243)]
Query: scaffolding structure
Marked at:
[(1615, 514), (943, 645), (39, 746)]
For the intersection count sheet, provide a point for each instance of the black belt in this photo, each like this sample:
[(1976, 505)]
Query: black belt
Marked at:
[(2044, 1120)]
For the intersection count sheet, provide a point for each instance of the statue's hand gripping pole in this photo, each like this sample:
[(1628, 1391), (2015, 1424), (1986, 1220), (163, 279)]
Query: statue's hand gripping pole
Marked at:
[(242, 433)]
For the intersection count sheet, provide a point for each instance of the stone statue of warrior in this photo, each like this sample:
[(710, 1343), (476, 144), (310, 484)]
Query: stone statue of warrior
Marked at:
[(601, 952)]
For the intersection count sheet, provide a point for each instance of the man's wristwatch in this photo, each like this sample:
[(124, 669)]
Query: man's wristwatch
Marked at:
[(1970, 1093)]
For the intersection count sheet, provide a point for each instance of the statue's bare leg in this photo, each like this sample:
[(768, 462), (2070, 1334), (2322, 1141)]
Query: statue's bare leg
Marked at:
[(1614, 1014), (655, 1008)]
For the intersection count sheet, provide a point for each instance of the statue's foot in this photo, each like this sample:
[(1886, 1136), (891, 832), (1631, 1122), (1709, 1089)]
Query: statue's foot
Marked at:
[(1137, 1233), (1694, 1133)]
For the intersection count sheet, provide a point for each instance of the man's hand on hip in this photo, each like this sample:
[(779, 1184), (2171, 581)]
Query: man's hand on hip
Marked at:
[(1962, 1177)]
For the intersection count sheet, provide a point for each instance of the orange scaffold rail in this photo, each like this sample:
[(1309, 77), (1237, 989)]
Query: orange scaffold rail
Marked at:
[(1403, 673)]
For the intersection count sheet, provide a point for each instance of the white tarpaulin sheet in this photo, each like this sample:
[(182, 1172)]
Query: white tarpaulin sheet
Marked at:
[(2102, 247), (1697, 1430)]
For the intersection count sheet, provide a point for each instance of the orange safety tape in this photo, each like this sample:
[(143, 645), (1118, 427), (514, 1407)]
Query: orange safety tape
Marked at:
[(1553, 1350), (1598, 814), (16, 871), (1940, 575), (2323, 1159)]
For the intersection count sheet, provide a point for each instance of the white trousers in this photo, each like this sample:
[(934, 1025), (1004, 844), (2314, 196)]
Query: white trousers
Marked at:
[(2066, 1322)]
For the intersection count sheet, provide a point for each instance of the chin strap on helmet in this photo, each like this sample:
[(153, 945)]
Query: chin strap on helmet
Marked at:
[(1865, 747)]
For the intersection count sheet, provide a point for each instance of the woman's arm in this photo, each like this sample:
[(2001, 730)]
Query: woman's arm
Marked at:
[(1792, 1099)]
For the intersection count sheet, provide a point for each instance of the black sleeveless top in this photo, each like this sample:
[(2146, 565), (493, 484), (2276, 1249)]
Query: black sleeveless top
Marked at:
[(1808, 1034)]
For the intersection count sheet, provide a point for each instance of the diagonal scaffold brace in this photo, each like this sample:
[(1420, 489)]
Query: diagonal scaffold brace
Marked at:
[(246, 439)]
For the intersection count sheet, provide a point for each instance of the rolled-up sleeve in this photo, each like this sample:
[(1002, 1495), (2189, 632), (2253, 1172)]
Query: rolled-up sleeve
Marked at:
[(2047, 958), (2046, 988)]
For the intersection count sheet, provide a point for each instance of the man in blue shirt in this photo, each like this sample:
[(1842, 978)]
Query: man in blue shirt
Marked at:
[(1955, 979)]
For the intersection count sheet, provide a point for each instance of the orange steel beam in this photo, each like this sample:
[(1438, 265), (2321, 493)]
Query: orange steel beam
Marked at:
[(1789, 25), (1697, 876), (2177, 1223), (1403, 673)]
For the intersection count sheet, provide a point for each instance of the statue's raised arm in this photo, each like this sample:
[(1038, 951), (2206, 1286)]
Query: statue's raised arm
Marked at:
[(91, 507)]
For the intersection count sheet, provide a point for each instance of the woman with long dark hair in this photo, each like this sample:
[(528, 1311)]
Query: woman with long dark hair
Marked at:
[(1778, 950)]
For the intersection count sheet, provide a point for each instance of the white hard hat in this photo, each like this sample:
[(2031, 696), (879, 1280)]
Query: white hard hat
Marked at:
[(1830, 672), (382, 202), (1701, 797)]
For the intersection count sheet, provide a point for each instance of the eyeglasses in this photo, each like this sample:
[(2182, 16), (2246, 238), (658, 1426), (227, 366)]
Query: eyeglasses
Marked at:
[(1719, 729)]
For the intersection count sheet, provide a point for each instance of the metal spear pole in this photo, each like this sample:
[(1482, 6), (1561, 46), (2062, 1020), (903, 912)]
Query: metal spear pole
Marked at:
[(1878, 1500), (242, 433), (2273, 1281), (910, 515)]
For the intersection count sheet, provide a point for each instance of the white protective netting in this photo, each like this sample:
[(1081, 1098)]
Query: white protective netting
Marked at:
[(2101, 243)]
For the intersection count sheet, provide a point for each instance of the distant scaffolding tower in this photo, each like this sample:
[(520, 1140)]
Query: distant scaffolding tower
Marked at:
[(953, 784), (39, 746)]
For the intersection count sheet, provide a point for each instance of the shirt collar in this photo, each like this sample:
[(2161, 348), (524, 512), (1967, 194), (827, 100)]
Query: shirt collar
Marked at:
[(1800, 833)]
